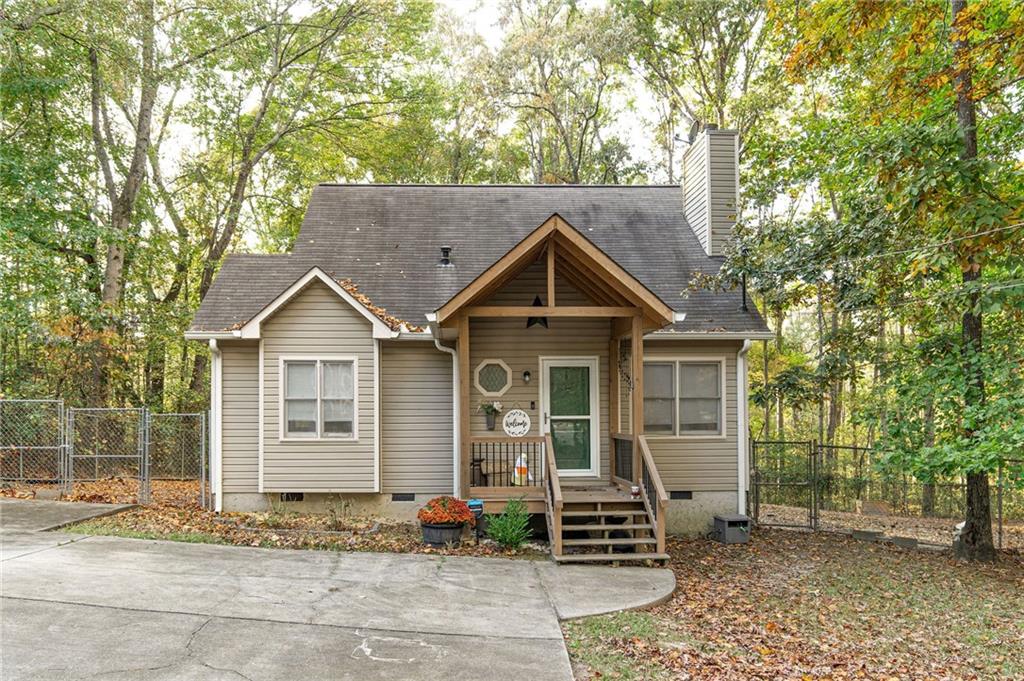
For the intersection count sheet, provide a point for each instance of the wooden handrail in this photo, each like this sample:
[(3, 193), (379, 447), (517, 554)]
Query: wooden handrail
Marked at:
[(549, 455), (532, 439), (659, 490), (622, 436), (554, 497)]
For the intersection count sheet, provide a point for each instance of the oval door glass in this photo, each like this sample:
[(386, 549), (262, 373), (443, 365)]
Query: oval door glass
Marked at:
[(569, 400)]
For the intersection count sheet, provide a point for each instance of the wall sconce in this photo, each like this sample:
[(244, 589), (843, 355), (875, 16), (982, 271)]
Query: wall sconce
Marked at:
[(526, 377)]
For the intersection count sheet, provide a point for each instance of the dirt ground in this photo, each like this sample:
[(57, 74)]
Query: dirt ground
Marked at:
[(931, 530)]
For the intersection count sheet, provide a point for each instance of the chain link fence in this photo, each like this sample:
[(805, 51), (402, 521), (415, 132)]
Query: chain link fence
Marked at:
[(101, 454), (31, 440), (809, 485)]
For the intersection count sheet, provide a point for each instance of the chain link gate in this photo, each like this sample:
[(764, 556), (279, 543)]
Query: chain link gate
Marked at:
[(32, 441), (785, 475), (108, 444)]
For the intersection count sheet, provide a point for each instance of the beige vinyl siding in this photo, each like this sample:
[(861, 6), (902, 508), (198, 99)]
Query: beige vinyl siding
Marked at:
[(315, 323), (521, 348), (694, 184), (702, 464), (240, 416), (416, 419), (723, 189)]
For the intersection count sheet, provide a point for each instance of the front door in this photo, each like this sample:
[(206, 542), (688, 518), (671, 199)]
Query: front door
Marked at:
[(569, 411)]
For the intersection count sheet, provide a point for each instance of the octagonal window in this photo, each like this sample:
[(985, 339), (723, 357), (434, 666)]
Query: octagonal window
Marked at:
[(493, 377)]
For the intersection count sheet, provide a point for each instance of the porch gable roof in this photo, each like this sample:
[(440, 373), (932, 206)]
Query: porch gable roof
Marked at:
[(579, 259)]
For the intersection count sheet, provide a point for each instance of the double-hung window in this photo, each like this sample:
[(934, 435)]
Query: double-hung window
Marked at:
[(683, 398), (319, 398)]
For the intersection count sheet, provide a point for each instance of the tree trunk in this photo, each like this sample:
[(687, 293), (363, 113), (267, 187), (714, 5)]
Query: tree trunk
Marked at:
[(977, 533)]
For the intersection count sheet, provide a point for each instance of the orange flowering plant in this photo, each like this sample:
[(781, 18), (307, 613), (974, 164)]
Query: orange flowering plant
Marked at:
[(446, 511)]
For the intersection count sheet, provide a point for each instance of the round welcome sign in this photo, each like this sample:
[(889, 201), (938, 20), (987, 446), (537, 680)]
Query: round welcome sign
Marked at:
[(516, 423)]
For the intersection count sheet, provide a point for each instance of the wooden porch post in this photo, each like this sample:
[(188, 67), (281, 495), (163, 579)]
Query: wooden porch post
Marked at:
[(465, 472), (637, 349), (613, 402)]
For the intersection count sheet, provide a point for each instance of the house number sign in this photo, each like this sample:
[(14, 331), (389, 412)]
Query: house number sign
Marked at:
[(516, 423)]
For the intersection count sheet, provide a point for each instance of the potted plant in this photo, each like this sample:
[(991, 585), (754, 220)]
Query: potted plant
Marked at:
[(491, 411), (442, 520)]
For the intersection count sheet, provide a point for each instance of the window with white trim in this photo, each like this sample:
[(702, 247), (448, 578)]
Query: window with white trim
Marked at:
[(683, 397), (319, 398)]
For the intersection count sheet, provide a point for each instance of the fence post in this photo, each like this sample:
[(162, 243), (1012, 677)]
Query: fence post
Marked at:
[(202, 459), (144, 457), (69, 478), (999, 503)]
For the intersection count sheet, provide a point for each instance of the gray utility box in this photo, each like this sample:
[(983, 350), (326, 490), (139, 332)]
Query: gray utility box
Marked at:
[(731, 529)]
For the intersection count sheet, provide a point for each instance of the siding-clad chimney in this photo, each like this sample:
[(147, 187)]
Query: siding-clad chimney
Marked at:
[(711, 184)]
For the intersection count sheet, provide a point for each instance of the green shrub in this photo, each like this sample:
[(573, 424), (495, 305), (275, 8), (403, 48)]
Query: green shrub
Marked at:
[(510, 528)]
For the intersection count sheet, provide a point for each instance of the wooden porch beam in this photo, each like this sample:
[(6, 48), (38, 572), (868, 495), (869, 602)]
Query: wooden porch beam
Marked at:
[(598, 297), (613, 402), (594, 288), (551, 274), (637, 372), (548, 311)]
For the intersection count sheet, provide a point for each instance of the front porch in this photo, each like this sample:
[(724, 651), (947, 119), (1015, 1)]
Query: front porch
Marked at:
[(572, 363)]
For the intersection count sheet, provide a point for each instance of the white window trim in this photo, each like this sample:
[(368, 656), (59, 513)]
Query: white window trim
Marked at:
[(281, 435), (692, 359), (480, 388)]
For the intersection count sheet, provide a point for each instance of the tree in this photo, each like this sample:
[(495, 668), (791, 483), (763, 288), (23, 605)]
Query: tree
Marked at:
[(557, 71), (712, 62), (891, 65)]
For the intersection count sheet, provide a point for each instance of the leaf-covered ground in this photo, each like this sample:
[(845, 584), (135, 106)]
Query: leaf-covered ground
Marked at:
[(931, 530), (174, 514), (795, 605)]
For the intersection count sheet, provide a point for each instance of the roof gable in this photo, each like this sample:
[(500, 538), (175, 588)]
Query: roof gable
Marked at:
[(251, 329), (552, 231)]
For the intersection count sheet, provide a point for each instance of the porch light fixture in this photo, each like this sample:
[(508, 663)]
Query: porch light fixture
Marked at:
[(537, 321), (526, 377)]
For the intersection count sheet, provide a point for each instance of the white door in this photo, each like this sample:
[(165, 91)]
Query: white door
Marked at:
[(569, 411)]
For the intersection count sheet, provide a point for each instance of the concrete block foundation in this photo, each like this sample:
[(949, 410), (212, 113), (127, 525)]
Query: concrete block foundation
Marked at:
[(693, 517), (376, 505)]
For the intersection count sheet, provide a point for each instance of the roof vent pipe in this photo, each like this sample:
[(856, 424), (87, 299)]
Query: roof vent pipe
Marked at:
[(446, 257)]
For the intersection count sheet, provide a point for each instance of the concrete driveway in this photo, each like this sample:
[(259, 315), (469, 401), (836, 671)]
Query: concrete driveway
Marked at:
[(109, 608)]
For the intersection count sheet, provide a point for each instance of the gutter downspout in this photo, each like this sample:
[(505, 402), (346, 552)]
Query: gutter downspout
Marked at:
[(742, 465), (216, 412), (435, 333)]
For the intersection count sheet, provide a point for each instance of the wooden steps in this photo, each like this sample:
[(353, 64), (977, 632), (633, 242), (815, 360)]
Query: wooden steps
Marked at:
[(610, 541), (610, 558), (613, 512), (602, 527), (588, 536)]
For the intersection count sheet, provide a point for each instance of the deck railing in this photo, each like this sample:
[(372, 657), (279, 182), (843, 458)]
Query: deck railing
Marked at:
[(507, 462), (622, 446), (553, 498), (652, 491)]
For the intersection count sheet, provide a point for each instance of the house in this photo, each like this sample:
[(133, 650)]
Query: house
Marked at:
[(354, 367)]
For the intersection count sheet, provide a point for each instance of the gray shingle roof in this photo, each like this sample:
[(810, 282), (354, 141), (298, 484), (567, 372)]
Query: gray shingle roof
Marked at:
[(387, 240)]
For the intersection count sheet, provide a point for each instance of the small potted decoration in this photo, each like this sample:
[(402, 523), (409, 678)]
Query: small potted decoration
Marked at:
[(442, 520), (491, 411)]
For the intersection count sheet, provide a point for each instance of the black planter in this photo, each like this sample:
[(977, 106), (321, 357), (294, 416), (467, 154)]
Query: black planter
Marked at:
[(441, 535), (490, 420)]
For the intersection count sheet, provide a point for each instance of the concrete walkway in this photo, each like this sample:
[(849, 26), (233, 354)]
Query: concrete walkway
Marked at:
[(110, 608), (32, 515)]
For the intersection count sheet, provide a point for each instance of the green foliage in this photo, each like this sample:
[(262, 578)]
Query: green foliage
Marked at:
[(510, 528)]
